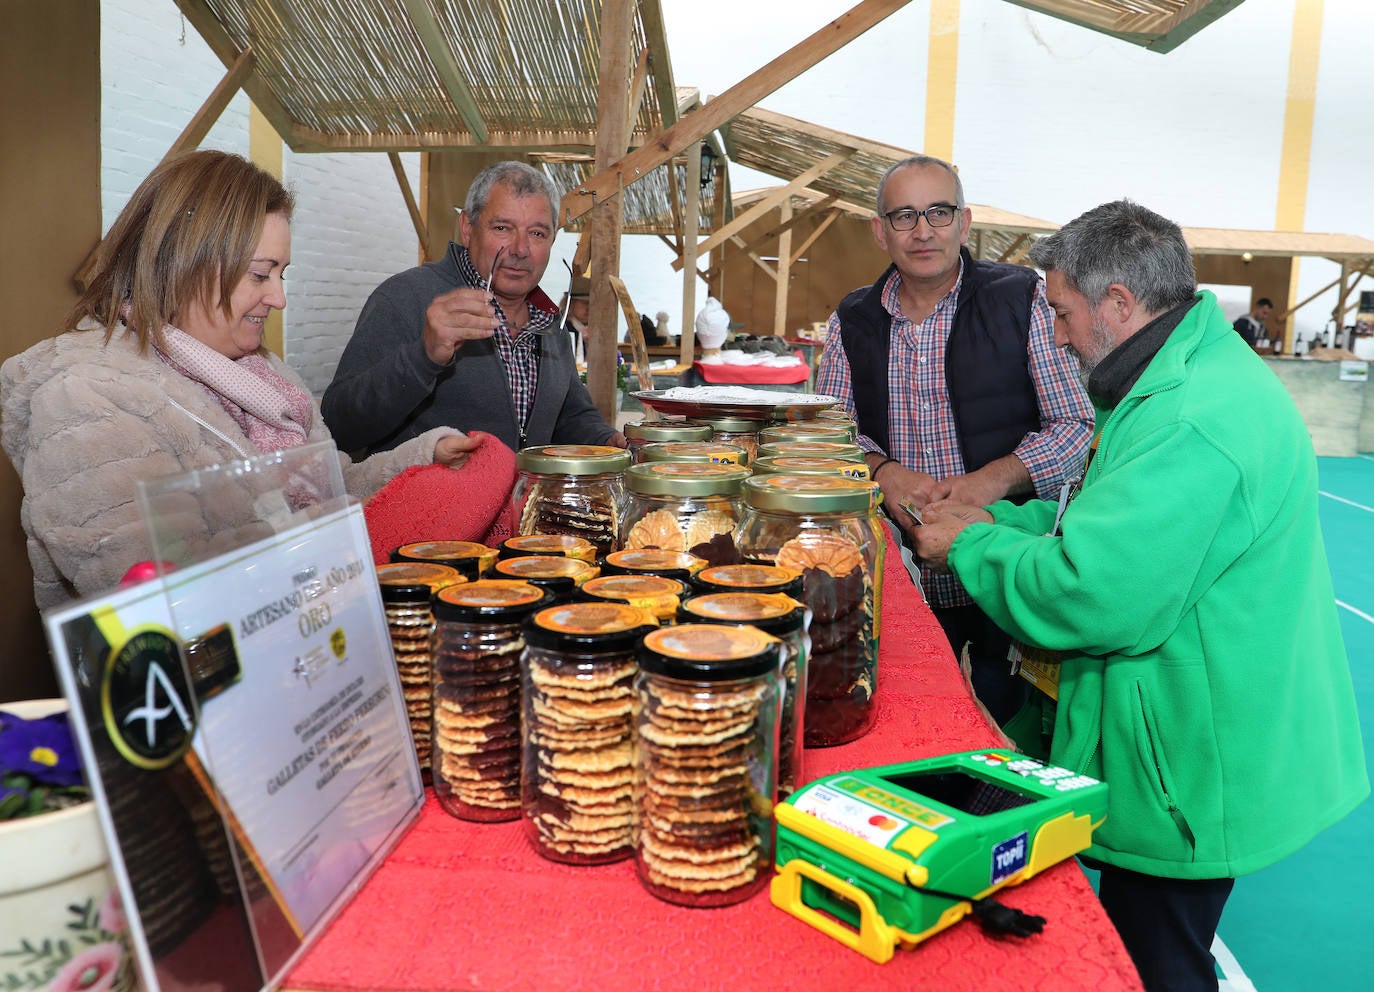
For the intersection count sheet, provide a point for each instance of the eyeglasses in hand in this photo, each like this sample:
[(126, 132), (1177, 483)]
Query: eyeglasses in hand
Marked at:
[(938, 215)]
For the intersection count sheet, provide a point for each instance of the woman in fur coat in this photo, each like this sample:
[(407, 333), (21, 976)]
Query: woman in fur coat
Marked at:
[(161, 370)]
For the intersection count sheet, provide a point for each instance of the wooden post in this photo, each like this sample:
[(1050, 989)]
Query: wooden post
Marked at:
[(691, 232), (612, 138), (784, 271)]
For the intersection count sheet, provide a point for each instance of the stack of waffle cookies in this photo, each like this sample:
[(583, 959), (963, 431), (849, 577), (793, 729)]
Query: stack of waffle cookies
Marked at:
[(477, 722), (698, 841), (592, 518), (579, 760)]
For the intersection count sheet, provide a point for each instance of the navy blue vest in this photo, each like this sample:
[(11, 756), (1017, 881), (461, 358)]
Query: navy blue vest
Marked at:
[(986, 368)]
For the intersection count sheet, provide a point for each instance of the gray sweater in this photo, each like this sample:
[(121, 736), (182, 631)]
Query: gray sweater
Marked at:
[(386, 389)]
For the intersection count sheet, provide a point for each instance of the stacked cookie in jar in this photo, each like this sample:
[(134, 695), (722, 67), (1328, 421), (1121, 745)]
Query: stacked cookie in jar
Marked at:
[(644, 689)]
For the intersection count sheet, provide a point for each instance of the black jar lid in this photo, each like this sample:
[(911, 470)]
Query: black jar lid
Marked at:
[(749, 578), (600, 627), (558, 575), (469, 557), (489, 601), (415, 582), (709, 652), (773, 613), (679, 565)]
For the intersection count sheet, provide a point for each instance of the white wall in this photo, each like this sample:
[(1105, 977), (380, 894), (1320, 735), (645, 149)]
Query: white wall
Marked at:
[(351, 228), (1050, 120)]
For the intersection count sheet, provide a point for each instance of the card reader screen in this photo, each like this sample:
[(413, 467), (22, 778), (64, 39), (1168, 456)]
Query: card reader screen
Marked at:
[(961, 791)]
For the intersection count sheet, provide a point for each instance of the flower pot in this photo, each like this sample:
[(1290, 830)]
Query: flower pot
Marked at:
[(61, 923)]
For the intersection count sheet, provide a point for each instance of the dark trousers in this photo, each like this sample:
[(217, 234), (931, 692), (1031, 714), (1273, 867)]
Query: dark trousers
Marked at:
[(1167, 925), (1001, 692)]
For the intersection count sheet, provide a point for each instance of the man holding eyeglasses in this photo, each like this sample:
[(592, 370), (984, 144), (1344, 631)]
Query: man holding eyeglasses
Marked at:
[(949, 368)]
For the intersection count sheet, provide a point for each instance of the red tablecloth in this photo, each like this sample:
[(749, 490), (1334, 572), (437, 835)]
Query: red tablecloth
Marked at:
[(470, 906), (719, 373)]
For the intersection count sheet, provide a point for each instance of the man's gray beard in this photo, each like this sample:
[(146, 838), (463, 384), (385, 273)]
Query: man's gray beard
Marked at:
[(1101, 344)]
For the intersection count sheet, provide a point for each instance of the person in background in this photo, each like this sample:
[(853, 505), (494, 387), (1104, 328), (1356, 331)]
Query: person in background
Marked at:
[(161, 370), (948, 366), (469, 341), (578, 315), (1251, 326), (1228, 735)]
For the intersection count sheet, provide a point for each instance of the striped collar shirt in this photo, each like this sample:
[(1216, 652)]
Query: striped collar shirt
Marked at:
[(519, 352), (921, 428)]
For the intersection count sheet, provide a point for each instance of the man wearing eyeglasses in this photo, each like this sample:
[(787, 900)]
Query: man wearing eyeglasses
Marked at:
[(949, 368)]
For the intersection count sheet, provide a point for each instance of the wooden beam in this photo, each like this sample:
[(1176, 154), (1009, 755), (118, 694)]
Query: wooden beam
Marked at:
[(746, 93), (445, 66), (638, 346), (1342, 308), (784, 272), (637, 89), (404, 182), (715, 285), (1014, 248), (656, 38), (691, 230), (773, 197), (797, 217), (772, 273), (826, 221), (191, 136), (603, 228), (208, 27)]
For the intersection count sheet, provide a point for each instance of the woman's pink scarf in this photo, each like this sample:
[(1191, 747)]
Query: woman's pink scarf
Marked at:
[(271, 410)]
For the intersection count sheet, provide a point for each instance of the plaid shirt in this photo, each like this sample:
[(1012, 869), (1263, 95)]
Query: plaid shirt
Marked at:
[(519, 352), (921, 427)]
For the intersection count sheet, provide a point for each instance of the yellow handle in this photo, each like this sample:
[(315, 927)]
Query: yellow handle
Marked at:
[(874, 939)]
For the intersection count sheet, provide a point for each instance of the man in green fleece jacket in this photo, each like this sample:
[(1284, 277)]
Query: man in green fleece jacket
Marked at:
[(1225, 728)]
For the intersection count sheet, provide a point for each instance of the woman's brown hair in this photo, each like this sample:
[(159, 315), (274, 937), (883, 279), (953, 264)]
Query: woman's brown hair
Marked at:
[(185, 237)]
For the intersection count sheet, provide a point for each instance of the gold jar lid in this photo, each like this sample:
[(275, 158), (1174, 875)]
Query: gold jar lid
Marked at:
[(811, 449), (491, 600), (548, 544), (659, 478), (805, 432), (408, 581), (654, 431), (695, 451), (572, 459), (468, 557), (774, 613), (810, 494), (808, 465), (709, 652)]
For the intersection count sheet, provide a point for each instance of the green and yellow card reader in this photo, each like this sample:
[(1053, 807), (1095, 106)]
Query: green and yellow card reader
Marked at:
[(886, 857)]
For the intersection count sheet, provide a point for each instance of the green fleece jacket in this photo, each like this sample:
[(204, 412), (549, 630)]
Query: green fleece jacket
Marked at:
[(1223, 720)]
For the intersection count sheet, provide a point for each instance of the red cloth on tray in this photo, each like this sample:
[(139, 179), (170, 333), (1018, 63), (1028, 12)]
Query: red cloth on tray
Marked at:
[(744, 375), (438, 503), (462, 905)]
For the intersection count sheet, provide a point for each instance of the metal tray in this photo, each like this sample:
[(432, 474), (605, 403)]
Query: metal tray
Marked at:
[(783, 409)]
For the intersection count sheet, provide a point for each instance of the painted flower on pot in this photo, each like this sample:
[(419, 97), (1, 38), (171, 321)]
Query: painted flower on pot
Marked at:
[(39, 767), (93, 970)]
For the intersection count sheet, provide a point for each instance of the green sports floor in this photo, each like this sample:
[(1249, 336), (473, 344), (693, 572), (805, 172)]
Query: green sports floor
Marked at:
[(1307, 923)]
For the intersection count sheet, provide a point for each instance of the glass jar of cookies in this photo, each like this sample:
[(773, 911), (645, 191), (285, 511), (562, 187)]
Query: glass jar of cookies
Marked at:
[(577, 703), (706, 766), (477, 647), (682, 506), (559, 576), (470, 558), (407, 590), (810, 431), (784, 618), (807, 465), (707, 452), (655, 594), (823, 528), (737, 431), (661, 432), (812, 449), (571, 489)]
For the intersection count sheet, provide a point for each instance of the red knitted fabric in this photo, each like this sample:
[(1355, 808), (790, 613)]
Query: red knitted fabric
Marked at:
[(438, 503), (462, 905)]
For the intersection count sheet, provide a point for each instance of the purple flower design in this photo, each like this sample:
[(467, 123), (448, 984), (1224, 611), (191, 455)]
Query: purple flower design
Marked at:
[(41, 749)]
